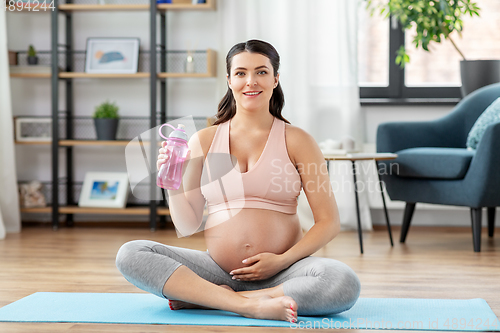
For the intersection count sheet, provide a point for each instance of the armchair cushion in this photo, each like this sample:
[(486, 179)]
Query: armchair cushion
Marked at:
[(490, 116), (433, 163)]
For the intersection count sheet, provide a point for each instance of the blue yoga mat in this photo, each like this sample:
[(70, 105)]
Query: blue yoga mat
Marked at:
[(370, 313)]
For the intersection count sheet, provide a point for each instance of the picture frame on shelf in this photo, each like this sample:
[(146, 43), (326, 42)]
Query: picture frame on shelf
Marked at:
[(33, 129), (105, 55), (104, 190)]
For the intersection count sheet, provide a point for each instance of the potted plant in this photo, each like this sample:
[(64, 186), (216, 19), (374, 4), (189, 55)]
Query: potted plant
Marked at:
[(106, 120), (32, 57), (436, 21)]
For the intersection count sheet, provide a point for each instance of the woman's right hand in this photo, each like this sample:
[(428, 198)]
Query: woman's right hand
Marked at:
[(164, 155)]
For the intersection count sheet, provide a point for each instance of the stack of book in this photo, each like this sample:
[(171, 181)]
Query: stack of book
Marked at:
[(12, 58)]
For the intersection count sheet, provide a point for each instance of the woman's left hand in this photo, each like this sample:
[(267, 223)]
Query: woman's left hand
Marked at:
[(259, 267)]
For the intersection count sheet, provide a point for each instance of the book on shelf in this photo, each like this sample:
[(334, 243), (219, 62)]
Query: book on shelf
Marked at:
[(12, 58), (33, 69)]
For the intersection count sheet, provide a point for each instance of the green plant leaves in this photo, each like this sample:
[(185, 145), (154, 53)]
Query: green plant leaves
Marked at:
[(31, 51), (402, 58), (106, 110), (434, 20)]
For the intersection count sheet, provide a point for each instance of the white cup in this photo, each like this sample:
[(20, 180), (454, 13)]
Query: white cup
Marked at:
[(348, 143)]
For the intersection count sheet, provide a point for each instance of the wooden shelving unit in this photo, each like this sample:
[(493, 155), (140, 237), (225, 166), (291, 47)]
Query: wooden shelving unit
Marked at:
[(91, 210), (73, 143), (69, 143), (96, 8), (37, 210), (28, 143), (210, 65), (211, 69), (104, 211), (156, 73), (210, 72), (176, 5), (77, 75), (31, 75), (186, 5)]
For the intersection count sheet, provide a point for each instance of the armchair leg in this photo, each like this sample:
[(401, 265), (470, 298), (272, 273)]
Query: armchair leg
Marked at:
[(409, 209), (475, 214), (491, 221)]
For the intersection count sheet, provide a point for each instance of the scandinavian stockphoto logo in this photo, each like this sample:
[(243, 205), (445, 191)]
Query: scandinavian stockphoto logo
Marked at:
[(338, 178), (218, 180), (455, 324)]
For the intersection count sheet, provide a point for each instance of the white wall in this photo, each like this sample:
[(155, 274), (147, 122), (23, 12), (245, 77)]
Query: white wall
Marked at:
[(197, 97)]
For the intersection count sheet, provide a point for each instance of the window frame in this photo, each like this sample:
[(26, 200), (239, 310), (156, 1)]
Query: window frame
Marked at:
[(397, 93)]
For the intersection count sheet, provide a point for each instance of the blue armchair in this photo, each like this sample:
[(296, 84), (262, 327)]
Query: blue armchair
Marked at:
[(434, 166)]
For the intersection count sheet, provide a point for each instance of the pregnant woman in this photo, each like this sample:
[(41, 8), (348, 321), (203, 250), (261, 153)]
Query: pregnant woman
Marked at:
[(258, 263)]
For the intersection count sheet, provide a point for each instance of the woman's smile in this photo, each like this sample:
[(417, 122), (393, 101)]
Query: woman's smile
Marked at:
[(252, 93)]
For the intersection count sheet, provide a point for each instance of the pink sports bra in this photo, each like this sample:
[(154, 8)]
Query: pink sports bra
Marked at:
[(272, 183)]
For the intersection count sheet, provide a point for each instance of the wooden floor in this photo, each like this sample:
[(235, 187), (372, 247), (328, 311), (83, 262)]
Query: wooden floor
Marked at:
[(434, 263)]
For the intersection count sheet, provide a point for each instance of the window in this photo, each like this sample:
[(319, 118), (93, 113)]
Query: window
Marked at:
[(373, 53), (429, 77)]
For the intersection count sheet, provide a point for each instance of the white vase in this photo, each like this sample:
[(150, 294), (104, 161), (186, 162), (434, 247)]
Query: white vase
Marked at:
[(189, 64)]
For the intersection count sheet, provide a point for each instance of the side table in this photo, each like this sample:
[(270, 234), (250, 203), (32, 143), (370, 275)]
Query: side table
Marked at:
[(364, 157)]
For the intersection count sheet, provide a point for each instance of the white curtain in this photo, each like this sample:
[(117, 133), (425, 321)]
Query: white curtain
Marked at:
[(9, 203), (317, 43)]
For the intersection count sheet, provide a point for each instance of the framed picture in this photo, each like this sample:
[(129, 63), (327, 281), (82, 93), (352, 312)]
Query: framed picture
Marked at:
[(104, 189), (33, 129), (112, 55)]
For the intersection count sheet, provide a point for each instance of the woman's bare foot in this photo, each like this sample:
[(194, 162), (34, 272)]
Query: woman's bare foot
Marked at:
[(277, 308), (264, 307), (176, 304)]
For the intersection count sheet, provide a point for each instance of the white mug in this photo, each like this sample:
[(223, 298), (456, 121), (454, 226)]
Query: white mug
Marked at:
[(348, 143)]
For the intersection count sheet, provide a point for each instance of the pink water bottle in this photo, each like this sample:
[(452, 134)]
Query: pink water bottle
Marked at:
[(170, 174)]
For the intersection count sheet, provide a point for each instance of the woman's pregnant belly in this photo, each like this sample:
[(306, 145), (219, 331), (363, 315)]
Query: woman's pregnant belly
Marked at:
[(249, 232)]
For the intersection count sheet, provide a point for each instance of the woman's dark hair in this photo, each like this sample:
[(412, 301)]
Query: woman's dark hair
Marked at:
[(227, 106)]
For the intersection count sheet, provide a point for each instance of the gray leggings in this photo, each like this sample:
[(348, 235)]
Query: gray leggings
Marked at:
[(319, 286)]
